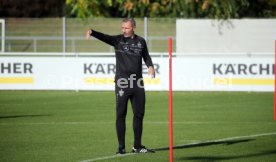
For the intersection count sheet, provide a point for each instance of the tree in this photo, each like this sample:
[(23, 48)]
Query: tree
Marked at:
[(218, 9), (31, 8)]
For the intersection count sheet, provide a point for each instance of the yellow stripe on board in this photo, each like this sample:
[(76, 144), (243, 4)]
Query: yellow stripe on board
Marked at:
[(95, 80), (242, 81), (16, 80), (106, 80)]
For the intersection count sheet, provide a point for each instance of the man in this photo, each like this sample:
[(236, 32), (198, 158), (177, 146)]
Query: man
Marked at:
[(130, 49)]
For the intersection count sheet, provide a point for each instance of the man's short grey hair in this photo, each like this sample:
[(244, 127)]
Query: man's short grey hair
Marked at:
[(131, 20)]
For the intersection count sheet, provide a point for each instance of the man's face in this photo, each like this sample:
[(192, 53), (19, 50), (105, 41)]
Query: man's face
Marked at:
[(127, 29)]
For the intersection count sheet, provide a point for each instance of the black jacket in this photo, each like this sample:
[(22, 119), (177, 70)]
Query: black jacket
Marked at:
[(129, 53)]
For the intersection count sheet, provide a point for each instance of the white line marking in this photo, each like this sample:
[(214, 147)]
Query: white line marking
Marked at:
[(58, 123), (113, 122), (108, 157), (195, 143), (239, 137)]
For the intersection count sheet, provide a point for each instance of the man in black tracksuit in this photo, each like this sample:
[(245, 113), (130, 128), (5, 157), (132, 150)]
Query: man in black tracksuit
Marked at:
[(130, 49)]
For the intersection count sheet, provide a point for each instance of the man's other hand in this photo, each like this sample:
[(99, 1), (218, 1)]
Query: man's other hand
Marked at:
[(151, 72)]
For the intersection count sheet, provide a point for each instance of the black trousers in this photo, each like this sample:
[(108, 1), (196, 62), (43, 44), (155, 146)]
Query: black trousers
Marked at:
[(136, 95)]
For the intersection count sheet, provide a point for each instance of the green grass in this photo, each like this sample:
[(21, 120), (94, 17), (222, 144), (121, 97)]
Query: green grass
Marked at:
[(65, 126)]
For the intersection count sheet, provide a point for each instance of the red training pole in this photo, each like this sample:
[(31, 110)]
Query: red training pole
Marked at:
[(275, 84), (170, 100)]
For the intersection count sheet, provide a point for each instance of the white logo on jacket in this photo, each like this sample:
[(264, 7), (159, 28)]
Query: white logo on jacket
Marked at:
[(121, 93)]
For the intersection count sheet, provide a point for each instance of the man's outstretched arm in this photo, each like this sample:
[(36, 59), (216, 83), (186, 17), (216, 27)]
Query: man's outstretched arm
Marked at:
[(103, 37)]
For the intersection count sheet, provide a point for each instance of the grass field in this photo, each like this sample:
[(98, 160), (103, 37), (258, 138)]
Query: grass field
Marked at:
[(66, 126)]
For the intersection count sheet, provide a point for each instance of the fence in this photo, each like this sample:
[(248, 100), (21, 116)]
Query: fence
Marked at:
[(67, 34)]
